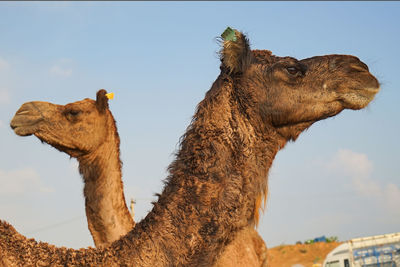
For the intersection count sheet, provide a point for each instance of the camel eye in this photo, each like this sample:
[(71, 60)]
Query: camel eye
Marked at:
[(293, 70), (72, 114)]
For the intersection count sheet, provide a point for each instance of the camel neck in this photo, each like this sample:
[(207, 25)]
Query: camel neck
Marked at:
[(106, 211), (214, 187)]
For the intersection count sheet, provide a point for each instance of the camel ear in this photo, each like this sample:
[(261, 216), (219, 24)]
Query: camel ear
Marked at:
[(235, 53), (101, 100)]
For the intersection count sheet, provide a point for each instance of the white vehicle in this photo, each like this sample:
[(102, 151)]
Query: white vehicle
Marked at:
[(373, 251)]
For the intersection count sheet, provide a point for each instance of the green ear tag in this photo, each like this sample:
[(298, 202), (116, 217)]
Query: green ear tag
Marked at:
[(229, 35)]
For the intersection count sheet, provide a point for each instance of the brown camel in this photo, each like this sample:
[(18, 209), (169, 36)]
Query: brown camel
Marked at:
[(96, 148), (216, 183), (85, 130)]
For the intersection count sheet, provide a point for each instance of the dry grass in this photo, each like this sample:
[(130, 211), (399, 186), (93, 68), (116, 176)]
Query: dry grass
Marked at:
[(306, 255)]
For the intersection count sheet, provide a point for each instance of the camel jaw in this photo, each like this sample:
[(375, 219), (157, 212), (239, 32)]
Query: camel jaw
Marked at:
[(367, 94)]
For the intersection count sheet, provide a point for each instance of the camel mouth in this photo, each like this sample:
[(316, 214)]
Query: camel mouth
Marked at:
[(368, 92), (26, 120), (24, 124), (22, 130), (372, 90), (357, 99), (370, 85)]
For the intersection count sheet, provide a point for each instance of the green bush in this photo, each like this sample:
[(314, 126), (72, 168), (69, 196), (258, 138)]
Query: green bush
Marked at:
[(332, 239), (328, 240)]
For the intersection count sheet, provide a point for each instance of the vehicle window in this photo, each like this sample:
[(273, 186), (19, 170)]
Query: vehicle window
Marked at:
[(333, 264), (383, 264)]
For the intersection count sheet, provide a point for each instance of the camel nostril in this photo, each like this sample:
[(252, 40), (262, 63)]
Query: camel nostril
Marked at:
[(364, 66), (353, 63), (359, 66), (22, 112)]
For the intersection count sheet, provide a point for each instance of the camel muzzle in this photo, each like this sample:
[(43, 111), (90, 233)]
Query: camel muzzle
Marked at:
[(26, 119)]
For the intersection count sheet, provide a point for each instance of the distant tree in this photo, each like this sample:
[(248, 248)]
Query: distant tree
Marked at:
[(332, 239)]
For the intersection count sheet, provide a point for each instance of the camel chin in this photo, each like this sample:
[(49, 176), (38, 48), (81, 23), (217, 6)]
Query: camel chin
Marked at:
[(359, 99), (22, 131)]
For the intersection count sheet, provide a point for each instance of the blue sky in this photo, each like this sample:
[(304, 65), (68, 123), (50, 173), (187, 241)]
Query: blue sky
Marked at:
[(342, 176)]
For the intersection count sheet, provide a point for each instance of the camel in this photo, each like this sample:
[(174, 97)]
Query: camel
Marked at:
[(85, 130), (97, 149), (219, 176)]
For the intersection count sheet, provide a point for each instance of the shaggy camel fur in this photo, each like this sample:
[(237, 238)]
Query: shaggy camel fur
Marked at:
[(257, 104), (97, 150)]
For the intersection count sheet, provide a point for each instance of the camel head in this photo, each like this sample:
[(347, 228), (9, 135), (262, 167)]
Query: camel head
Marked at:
[(77, 128), (290, 94)]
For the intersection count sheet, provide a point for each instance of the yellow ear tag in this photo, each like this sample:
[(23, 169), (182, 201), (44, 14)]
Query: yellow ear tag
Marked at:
[(110, 95)]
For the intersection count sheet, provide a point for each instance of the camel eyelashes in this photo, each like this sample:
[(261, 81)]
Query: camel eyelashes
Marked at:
[(292, 70), (74, 112)]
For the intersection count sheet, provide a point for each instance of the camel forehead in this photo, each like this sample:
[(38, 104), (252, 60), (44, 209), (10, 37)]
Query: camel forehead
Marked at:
[(86, 103), (266, 57), (263, 56)]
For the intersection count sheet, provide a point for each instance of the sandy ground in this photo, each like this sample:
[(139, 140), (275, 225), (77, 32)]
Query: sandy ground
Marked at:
[(299, 255)]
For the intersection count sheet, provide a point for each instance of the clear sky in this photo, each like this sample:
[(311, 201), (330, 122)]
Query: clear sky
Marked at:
[(341, 178)]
